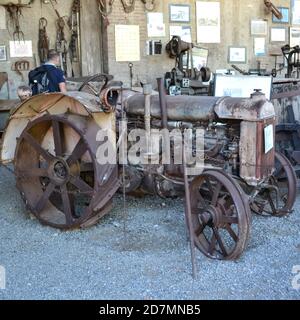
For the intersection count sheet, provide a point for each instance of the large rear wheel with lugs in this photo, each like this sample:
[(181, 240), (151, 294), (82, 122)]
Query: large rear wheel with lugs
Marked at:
[(58, 174)]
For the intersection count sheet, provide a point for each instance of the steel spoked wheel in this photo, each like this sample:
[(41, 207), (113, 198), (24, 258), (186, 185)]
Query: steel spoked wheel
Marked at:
[(57, 172), (221, 216), (279, 196), (89, 83)]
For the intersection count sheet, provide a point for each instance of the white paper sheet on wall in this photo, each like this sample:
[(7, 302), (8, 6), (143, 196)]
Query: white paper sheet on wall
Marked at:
[(184, 32), (156, 26), (20, 49), (208, 22), (259, 46), (127, 42), (2, 18)]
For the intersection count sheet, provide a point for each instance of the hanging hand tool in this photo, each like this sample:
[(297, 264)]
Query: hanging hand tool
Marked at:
[(130, 65), (105, 10), (271, 7), (15, 12), (75, 43), (21, 66), (43, 43)]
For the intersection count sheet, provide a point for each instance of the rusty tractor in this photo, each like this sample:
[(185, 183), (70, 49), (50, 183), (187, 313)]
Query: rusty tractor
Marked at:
[(53, 142)]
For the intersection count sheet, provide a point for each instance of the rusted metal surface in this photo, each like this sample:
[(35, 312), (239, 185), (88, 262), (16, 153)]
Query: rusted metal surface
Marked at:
[(78, 103), (58, 174), (180, 108), (189, 108), (162, 103), (221, 216), (51, 139), (256, 108), (255, 164), (286, 100), (286, 93), (278, 195)]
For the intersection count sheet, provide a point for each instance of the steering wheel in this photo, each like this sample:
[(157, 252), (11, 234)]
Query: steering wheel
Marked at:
[(99, 78)]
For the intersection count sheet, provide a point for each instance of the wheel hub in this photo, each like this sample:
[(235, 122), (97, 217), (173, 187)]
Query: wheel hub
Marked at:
[(59, 171), (212, 216)]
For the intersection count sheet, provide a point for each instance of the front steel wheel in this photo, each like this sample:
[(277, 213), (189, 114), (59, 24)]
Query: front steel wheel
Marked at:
[(221, 216)]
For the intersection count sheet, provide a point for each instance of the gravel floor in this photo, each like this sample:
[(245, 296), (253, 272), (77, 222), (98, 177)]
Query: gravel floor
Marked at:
[(152, 263)]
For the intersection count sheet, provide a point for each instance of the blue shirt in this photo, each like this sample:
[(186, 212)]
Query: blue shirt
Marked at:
[(55, 76)]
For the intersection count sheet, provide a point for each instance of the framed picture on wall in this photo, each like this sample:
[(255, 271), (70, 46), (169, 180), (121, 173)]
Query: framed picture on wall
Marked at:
[(285, 16), (259, 27), (180, 13), (294, 37), (259, 46), (278, 34), (295, 11), (3, 56), (237, 55)]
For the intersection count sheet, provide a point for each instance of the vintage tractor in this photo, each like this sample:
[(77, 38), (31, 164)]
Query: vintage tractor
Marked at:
[(53, 141)]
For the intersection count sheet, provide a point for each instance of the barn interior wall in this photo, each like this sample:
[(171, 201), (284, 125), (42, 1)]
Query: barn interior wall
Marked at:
[(236, 16)]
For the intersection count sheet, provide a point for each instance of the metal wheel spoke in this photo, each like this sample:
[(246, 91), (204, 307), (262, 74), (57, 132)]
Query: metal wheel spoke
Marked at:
[(279, 170), (45, 197), (66, 204), (216, 194), (58, 135), (199, 231), (201, 200), (81, 185), (220, 241), (212, 245), (230, 220), (38, 148), (92, 88), (271, 202), (232, 233), (78, 152)]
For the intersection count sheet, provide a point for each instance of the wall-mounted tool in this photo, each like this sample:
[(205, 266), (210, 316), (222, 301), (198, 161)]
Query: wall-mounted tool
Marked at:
[(292, 56), (43, 43), (75, 43), (21, 66), (185, 79), (106, 8), (15, 12), (272, 8), (130, 66)]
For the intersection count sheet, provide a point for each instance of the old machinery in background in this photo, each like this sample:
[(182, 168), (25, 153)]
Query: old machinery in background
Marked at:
[(286, 100), (292, 56), (185, 78)]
